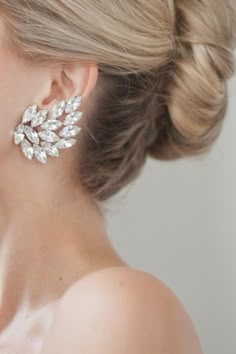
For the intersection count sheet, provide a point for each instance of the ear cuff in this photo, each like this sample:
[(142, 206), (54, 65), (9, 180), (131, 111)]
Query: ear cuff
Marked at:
[(41, 134)]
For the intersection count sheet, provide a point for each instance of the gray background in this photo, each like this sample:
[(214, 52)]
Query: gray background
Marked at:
[(178, 222)]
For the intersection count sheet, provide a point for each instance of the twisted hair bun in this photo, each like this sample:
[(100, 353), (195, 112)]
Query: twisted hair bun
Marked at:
[(196, 93)]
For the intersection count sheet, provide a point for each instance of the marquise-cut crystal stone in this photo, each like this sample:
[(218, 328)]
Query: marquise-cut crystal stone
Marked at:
[(58, 109), (50, 149), (65, 143), (18, 138), (48, 136), (39, 118), (40, 154), (73, 104), (70, 131), (31, 134), (73, 118), (51, 124), (29, 114), (19, 134), (20, 128), (27, 149)]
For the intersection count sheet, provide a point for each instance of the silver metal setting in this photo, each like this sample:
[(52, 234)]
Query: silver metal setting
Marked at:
[(42, 134)]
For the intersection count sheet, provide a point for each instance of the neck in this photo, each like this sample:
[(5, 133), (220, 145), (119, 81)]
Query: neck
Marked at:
[(51, 233)]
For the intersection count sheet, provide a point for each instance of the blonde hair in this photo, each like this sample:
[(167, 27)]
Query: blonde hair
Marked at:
[(163, 71)]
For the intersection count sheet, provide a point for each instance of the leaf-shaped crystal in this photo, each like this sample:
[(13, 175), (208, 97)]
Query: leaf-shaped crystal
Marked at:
[(69, 131), (48, 136), (73, 118), (31, 134), (20, 128), (39, 118), (29, 114), (51, 124), (27, 149), (19, 134), (50, 149), (58, 109), (40, 154), (65, 143), (73, 104), (18, 138)]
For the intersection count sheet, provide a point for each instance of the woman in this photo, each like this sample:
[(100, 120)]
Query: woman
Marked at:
[(89, 89)]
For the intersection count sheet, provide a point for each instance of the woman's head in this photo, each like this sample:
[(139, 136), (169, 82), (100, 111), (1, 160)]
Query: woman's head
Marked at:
[(157, 72)]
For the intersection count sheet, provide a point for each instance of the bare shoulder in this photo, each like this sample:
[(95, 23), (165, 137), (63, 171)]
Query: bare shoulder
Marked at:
[(121, 310)]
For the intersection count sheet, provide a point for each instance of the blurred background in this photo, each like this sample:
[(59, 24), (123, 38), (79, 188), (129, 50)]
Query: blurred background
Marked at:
[(178, 222)]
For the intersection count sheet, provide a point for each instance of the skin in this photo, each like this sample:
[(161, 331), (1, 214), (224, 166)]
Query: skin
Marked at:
[(63, 287)]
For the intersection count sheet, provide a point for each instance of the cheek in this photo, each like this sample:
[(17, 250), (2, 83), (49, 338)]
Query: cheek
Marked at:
[(12, 84), (17, 90), (19, 83), (12, 88)]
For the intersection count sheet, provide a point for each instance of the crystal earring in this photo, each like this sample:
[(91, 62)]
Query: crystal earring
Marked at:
[(42, 134)]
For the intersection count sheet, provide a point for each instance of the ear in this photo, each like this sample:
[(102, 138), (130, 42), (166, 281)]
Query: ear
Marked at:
[(70, 80)]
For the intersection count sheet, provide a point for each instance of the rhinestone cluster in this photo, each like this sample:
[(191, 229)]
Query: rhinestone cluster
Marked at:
[(42, 134)]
